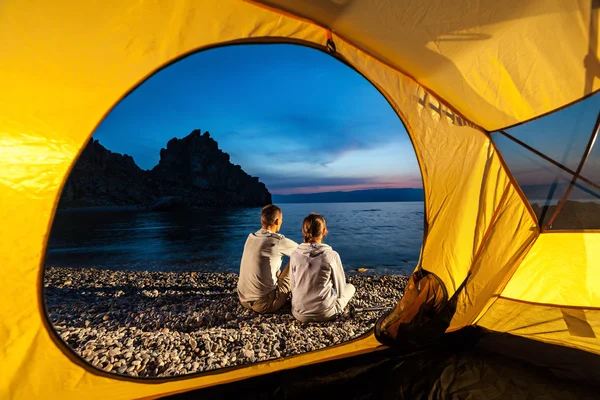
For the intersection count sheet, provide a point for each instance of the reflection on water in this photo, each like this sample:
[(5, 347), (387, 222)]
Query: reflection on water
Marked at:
[(383, 236)]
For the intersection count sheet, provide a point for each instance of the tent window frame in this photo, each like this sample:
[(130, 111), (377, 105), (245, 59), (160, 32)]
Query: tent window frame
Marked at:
[(586, 153), (576, 175)]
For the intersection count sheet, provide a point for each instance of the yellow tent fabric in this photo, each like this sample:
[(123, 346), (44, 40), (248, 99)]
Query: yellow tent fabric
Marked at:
[(451, 70), (554, 295), (498, 63)]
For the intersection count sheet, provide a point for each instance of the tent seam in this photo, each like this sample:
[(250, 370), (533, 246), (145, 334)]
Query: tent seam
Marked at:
[(572, 103)]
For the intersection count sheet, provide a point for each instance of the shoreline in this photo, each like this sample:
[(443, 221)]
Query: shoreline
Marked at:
[(156, 324), (141, 208), (147, 208)]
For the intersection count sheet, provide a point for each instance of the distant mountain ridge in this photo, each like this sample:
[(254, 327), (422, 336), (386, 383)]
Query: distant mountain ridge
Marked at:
[(355, 196), (538, 192)]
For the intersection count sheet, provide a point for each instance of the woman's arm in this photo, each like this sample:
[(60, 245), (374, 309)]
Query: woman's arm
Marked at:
[(345, 291)]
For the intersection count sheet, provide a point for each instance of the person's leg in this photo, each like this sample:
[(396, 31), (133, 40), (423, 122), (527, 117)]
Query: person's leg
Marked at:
[(276, 298), (327, 316), (246, 304), (279, 299), (271, 302), (342, 301), (283, 280)]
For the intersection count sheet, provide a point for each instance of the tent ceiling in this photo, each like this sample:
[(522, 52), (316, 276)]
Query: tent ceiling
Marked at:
[(498, 63)]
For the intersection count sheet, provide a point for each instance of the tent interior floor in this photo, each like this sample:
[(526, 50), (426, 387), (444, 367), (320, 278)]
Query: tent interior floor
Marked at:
[(459, 366)]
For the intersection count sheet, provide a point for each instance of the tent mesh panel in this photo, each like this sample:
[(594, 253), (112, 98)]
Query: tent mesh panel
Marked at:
[(556, 162)]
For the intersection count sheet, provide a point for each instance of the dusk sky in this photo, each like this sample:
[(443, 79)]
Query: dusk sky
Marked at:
[(303, 122), (297, 118)]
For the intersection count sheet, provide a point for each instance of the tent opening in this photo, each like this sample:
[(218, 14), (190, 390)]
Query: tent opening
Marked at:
[(144, 254)]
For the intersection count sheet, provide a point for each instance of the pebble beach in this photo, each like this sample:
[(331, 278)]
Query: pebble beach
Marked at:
[(158, 324)]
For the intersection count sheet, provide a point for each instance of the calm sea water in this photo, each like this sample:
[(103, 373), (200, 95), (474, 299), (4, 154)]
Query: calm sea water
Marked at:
[(385, 237)]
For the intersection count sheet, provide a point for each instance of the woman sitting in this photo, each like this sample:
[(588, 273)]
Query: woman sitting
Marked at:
[(319, 288)]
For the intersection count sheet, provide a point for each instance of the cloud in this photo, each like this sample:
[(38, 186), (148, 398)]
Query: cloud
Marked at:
[(344, 188), (388, 163), (281, 182), (317, 139), (310, 184)]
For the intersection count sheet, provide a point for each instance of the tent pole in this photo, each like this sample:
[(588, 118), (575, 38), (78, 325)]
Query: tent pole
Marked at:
[(586, 153), (550, 160)]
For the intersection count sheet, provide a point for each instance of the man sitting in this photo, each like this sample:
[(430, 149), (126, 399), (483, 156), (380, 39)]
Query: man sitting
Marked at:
[(262, 287)]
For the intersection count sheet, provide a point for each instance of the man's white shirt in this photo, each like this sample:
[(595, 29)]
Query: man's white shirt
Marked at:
[(263, 254)]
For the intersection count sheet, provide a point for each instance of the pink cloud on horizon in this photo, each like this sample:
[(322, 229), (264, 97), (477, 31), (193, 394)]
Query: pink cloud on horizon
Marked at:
[(346, 188)]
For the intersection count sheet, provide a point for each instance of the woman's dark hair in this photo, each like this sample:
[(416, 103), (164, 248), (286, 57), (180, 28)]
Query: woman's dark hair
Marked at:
[(313, 227)]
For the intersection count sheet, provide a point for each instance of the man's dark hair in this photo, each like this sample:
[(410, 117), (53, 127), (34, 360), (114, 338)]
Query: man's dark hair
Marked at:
[(269, 214)]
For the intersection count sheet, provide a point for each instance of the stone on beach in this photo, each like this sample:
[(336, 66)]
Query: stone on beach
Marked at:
[(190, 321)]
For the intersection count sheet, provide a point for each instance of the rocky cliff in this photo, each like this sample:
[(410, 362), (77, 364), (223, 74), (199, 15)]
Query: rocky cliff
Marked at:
[(192, 172), (101, 177), (195, 164)]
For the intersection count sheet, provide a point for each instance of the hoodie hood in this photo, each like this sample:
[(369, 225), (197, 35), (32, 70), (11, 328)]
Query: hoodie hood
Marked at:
[(313, 249)]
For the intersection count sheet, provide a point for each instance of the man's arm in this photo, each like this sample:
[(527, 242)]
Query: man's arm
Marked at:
[(287, 246)]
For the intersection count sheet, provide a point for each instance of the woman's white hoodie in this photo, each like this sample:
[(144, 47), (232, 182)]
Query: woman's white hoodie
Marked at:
[(318, 281)]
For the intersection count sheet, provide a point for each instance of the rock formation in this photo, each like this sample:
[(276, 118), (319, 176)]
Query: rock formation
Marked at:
[(196, 165), (101, 177), (192, 172)]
